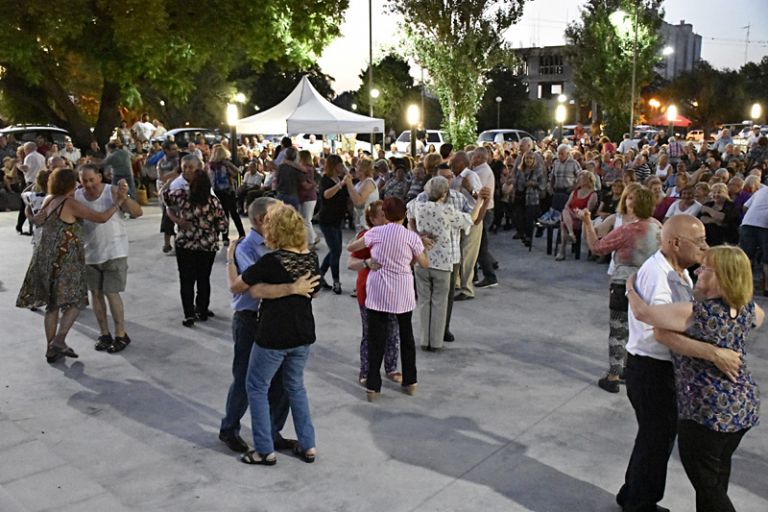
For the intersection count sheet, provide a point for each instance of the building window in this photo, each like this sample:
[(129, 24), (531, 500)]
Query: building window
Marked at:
[(548, 90), (551, 64)]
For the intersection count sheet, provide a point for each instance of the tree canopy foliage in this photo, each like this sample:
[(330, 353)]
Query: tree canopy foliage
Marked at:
[(458, 42), (600, 49), (76, 65), (516, 110)]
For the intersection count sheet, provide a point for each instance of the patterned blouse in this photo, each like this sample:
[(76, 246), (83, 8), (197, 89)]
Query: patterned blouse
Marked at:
[(440, 220), (207, 221), (704, 394)]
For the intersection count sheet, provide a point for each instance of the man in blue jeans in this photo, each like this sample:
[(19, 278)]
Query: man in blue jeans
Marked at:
[(244, 323)]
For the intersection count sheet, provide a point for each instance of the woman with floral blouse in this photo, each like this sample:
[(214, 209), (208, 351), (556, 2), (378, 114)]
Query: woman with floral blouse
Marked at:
[(200, 220), (436, 220), (714, 410)]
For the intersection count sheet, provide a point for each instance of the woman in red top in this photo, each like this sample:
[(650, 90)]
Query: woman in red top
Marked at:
[(362, 262), (583, 197)]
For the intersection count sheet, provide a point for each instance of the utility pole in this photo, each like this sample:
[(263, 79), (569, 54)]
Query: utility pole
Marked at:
[(370, 68), (746, 42)]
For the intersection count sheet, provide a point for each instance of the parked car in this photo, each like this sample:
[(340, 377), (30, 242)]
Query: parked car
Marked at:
[(695, 135), (510, 135), (568, 131), (435, 137), (29, 132), (183, 136)]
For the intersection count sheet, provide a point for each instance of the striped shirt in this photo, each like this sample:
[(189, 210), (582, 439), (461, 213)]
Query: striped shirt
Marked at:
[(390, 289)]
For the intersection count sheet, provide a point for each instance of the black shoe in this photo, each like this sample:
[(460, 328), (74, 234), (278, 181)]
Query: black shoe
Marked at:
[(188, 322), (611, 386), (282, 443), (430, 349), (324, 284), (516, 236), (105, 341), (487, 283), (462, 296), (234, 442), (449, 337), (337, 288), (495, 265), (119, 345), (205, 315), (508, 227)]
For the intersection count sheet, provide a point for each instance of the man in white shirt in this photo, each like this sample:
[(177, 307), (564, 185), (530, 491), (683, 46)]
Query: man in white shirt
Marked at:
[(468, 183), (143, 128), (754, 230), (71, 153), (663, 279), (34, 162), (627, 143), (484, 258), (106, 255)]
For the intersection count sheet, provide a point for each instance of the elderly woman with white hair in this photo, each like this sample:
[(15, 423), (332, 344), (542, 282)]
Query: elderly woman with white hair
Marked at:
[(435, 219)]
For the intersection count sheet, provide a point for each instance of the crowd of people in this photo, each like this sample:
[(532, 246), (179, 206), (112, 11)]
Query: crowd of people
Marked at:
[(656, 212)]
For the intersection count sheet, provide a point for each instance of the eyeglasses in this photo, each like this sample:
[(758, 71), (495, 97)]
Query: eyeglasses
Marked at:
[(703, 269), (698, 242)]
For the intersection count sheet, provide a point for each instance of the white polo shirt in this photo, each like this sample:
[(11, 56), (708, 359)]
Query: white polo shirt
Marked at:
[(474, 183), (656, 283), (757, 209), (485, 173)]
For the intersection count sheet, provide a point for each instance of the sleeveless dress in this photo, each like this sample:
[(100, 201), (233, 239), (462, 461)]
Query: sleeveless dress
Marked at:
[(372, 197), (56, 274)]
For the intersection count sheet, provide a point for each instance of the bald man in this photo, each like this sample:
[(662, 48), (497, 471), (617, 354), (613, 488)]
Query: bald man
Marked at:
[(663, 279)]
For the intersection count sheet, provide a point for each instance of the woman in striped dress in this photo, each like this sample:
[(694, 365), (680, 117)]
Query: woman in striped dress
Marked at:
[(390, 290)]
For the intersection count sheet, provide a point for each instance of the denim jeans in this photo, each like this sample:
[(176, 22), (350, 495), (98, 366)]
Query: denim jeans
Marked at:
[(244, 325), (332, 236), (263, 365)]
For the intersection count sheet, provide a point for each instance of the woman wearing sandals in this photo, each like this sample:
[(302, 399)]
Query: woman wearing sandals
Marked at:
[(362, 262), (714, 410), (390, 290), (285, 332), (56, 275)]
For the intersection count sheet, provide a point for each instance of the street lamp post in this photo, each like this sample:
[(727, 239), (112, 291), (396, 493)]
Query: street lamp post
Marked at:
[(232, 116), (560, 119), (671, 117), (498, 112), (618, 21), (374, 94), (412, 117)]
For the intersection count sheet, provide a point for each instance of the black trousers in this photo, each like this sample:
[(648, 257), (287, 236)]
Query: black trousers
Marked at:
[(454, 277), (651, 390), (706, 457), (229, 205), (194, 271), (377, 339), (484, 257)]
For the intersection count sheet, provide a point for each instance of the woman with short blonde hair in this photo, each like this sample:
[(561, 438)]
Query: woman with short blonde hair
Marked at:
[(285, 333)]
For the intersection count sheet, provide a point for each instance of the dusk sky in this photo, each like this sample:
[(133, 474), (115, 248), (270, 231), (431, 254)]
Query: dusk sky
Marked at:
[(543, 23)]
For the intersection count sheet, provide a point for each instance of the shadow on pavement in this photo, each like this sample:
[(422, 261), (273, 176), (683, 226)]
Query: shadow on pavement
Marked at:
[(457, 447)]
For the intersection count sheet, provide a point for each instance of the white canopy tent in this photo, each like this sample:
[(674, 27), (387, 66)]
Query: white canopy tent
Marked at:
[(305, 111)]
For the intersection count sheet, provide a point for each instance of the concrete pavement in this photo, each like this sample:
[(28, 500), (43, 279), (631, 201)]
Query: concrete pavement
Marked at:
[(507, 418)]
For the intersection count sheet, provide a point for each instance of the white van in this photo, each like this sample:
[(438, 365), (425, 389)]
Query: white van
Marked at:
[(434, 137)]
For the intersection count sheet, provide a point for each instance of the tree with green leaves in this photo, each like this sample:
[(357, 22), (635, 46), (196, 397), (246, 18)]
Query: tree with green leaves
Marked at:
[(601, 45), (708, 96), (76, 66), (458, 42), (392, 78), (516, 110)]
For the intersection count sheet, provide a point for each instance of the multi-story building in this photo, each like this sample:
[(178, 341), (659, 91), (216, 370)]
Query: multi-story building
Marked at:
[(686, 49), (547, 72)]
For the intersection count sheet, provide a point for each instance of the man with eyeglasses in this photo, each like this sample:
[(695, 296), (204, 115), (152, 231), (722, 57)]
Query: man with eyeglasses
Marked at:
[(662, 279)]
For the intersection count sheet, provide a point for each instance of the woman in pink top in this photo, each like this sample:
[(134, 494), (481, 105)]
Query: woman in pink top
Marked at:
[(390, 290)]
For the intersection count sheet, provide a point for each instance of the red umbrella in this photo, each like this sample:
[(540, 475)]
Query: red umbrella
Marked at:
[(678, 121)]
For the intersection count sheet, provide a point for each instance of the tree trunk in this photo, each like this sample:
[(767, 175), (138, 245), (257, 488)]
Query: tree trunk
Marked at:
[(109, 115), (76, 125)]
